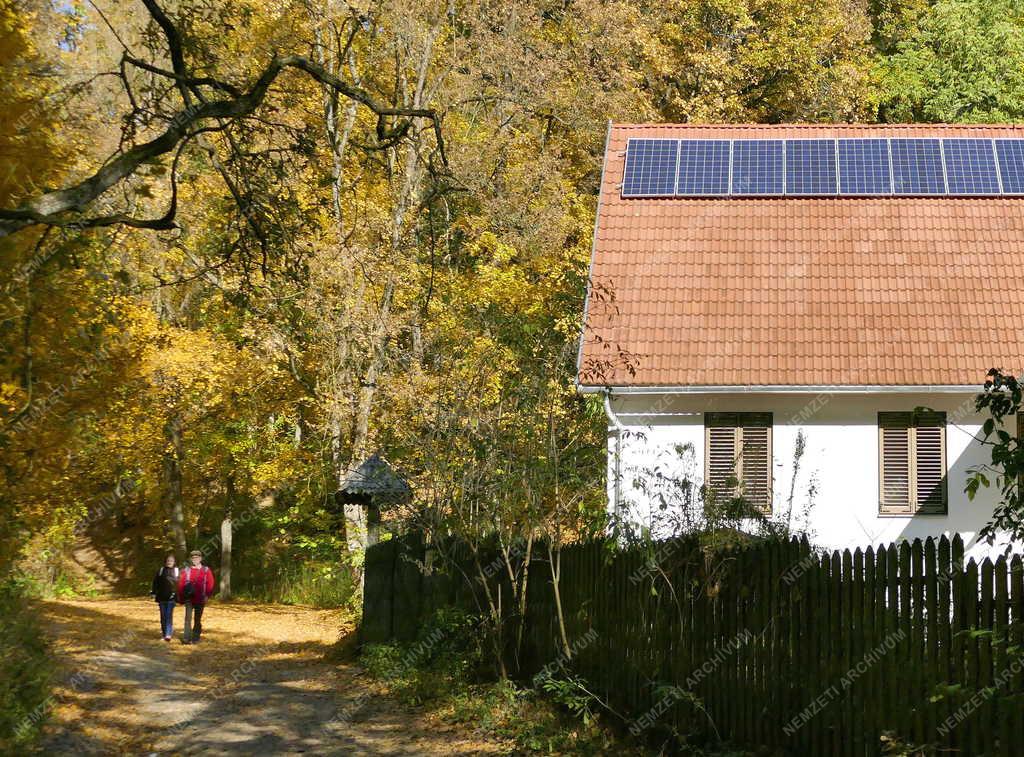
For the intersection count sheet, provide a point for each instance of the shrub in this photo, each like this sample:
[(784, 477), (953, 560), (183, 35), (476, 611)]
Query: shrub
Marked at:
[(446, 653), (25, 671), (446, 669)]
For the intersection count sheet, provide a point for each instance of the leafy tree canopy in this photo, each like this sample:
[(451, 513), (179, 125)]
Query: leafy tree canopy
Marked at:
[(963, 64)]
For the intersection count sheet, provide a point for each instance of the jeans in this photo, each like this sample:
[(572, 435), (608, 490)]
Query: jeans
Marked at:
[(167, 617), (193, 631)]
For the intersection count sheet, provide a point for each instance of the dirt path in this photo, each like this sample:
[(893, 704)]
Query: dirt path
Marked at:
[(258, 683)]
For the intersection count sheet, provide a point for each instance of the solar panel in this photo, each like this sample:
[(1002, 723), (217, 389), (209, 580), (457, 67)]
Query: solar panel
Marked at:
[(970, 167), (917, 167), (757, 167), (703, 167), (864, 167), (1011, 165), (810, 167), (823, 167), (650, 167)]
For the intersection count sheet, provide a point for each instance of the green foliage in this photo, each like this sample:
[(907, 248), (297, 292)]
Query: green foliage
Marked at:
[(445, 654), (1002, 398), (298, 583), (571, 692), (895, 746), (963, 63), (531, 721), (444, 669), (25, 671)]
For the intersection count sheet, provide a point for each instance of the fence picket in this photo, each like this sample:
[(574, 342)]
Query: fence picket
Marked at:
[(931, 672), (1016, 633), (986, 721), (970, 599), (819, 575), (813, 620), (1002, 712), (917, 642), (881, 628), (872, 679), (944, 584)]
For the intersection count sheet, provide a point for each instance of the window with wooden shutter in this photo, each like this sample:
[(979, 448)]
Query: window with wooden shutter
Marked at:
[(738, 458), (912, 463)]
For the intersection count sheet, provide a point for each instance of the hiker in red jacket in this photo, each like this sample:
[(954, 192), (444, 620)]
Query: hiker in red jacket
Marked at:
[(195, 585)]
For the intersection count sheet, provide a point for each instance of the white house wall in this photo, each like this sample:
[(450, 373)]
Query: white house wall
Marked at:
[(840, 460)]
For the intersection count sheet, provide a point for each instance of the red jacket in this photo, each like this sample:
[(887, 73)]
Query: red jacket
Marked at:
[(203, 589)]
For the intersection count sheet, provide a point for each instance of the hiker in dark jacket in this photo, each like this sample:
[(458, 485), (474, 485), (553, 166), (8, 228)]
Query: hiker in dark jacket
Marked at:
[(165, 588), (195, 585)]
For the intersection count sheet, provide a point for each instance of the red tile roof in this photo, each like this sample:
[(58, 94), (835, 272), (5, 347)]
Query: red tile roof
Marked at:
[(878, 291)]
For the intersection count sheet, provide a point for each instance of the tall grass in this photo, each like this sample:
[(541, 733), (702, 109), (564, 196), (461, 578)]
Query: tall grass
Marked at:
[(305, 583)]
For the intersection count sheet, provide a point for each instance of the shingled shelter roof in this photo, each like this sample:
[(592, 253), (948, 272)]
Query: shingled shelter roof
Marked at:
[(375, 478), (801, 291)]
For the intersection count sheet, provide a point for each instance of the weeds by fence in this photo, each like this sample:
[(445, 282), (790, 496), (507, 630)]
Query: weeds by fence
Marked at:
[(299, 583), (837, 649)]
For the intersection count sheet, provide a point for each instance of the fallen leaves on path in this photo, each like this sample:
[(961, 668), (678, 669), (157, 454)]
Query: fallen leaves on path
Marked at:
[(261, 681)]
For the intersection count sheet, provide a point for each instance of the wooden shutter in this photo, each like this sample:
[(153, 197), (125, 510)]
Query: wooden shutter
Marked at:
[(756, 459), (929, 441), (894, 463), (912, 463), (721, 453), (738, 459)]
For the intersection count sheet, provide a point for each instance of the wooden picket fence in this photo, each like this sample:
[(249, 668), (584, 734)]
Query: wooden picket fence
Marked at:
[(766, 645)]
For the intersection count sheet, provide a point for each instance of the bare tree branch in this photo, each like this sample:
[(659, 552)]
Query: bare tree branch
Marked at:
[(174, 45), (51, 208), (197, 81)]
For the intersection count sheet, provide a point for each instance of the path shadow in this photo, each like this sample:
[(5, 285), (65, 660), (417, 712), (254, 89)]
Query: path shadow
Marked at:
[(232, 694)]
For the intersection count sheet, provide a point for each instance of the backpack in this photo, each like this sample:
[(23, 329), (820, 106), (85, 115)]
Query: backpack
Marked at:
[(170, 580), (189, 590)]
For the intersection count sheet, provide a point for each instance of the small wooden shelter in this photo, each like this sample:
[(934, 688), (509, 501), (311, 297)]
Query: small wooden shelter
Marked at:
[(367, 488)]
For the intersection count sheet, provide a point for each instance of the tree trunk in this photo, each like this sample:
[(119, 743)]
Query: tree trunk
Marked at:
[(524, 585), (172, 500), (225, 556), (496, 634), (357, 517), (226, 532), (359, 521), (555, 563)]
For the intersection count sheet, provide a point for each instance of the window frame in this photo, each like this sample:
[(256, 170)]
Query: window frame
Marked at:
[(745, 419), (913, 423)]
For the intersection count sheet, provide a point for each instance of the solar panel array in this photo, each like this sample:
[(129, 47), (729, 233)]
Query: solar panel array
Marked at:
[(823, 167)]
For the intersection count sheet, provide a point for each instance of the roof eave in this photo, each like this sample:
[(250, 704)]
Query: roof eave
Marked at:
[(782, 389)]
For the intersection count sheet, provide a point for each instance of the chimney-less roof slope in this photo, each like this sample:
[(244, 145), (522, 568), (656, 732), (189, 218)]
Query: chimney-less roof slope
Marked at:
[(802, 291)]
